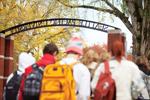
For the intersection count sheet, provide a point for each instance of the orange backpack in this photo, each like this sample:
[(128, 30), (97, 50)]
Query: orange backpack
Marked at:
[(58, 83), (105, 88)]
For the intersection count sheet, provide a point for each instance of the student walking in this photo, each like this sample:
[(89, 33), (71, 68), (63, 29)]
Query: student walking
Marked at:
[(31, 80), (125, 74), (14, 79), (81, 73)]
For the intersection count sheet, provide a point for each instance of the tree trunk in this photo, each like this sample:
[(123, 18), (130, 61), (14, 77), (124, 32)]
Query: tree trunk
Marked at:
[(141, 27), (140, 18), (145, 34)]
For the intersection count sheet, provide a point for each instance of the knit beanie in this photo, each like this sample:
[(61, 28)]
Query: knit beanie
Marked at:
[(75, 45)]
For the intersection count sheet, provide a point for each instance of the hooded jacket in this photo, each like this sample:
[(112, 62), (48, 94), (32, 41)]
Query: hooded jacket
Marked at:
[(45, 60), (25, 60)]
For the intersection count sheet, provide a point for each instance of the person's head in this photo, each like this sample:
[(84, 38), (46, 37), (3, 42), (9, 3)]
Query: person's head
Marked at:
[(75, 46), (129, 57), (25, 60), (90, 56), (140, 60), (142, 63), (51, 49), (117, 49)]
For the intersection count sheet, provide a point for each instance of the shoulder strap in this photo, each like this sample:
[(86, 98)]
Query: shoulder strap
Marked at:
[(74, 63), (15, 73), (40, 68), (97, 65), (34, 66), (106, 65), (71, 65)]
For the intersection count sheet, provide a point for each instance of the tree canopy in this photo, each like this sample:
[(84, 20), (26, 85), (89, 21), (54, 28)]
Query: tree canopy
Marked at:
[(14, 12)]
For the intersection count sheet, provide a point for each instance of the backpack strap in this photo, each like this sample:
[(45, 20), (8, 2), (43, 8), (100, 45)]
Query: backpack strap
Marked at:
[(97, 65), (71, 65), (15, 73), (40, 68), (106, 66), (34, 66), (74, 63)]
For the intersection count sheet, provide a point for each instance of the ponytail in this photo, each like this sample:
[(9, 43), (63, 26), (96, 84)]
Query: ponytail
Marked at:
[(117, 50)]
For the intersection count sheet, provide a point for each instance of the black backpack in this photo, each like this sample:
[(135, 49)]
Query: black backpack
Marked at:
[(12, 87), (32, 83)]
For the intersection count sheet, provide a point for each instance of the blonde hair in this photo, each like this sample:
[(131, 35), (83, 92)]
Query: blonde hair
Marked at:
[(95, 53), (104, 56), (90, 56)]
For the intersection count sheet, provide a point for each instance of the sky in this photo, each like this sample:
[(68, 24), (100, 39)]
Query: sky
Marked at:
[(98, 37)]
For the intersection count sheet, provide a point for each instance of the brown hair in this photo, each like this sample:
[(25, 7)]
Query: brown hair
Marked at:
[(142, 63), (117, 50), (50, 48)]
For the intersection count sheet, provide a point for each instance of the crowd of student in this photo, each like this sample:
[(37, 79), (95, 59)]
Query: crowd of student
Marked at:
[(130, 81)]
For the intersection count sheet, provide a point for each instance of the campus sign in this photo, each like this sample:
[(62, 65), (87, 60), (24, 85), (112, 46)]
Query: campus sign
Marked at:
[(57, 22)]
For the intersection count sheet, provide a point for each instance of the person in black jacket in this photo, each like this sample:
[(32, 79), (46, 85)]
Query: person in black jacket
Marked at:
[(13, 81)]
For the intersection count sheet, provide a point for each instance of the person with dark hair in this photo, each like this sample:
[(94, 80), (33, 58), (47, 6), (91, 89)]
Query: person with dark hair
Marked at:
[(141, 62), (126, 74), (49, 53), (50, 48)]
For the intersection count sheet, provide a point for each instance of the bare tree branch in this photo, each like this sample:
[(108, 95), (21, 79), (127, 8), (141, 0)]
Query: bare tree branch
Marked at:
[(135, 8), (121, 15), (114, 11), (88, 7)]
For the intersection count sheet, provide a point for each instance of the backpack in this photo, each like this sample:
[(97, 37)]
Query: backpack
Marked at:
[(58, 83), (32, 83), (105, 88), (12, 87)]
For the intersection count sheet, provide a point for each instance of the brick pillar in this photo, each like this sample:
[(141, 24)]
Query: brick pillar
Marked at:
[(8, 63), (2, 50), (114, 35)]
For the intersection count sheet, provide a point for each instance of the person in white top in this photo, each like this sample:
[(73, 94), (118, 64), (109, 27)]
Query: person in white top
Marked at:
[(25, 60), (81, 73), (126, 75)]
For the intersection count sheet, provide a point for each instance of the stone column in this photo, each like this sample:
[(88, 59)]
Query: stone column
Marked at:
[(2, 50), (114, 35), (8, 63)]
